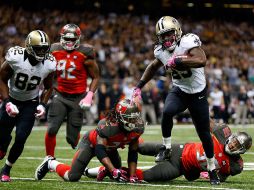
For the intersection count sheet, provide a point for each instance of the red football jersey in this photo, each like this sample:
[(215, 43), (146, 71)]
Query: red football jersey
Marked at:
[(71, 71), (116, 137), (193, 157)]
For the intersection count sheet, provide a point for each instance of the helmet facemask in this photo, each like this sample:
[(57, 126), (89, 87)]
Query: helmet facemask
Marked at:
[(70, 37), (238, 143), (168, 32), (128, 115), (37, 44), (39, 52), (130, 121), (168, 40)]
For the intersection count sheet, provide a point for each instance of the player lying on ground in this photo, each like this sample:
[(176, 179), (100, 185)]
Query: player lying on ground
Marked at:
[(123, 126), (189, 159)]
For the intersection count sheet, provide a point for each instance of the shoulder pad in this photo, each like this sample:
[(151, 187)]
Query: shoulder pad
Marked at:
[(157, 50), (50, 61), (14, 54), (55, 47), (102, 129), (87, 50), (190, 41)]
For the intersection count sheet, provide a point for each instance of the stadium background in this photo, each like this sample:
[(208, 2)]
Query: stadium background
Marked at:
[(123, 34)]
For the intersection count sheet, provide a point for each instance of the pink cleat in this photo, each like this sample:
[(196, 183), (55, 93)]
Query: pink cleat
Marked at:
[(5, 178)]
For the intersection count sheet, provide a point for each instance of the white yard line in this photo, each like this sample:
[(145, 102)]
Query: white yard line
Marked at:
[(136, 184)]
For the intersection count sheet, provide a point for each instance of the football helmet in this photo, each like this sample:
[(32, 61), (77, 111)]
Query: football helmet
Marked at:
[(168, 32), (37, 44), (70, 37), (238, 143), (128, 114)]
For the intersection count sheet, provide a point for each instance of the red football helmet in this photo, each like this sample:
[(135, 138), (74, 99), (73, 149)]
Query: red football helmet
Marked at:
[(129, 115), (70, 37)]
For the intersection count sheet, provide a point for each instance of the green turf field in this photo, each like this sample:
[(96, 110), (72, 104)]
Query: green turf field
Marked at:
[(22, 173)]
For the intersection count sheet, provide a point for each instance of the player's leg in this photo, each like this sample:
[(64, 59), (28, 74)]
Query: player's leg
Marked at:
[(24, 124), (166, 170), (79, 163), (56, 114), (149, 149), (173, 105), (199, 110), (69, 173), (74, 124), (7, 124)]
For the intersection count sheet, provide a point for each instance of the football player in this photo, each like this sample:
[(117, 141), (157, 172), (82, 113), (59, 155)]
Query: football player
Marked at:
[(21, 75), (122, 126), (190, 160), (185, 59), (75, 62)]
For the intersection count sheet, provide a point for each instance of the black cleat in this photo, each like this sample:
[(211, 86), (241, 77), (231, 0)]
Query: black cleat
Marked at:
[(43, 168), (214, 178), (164, 154)]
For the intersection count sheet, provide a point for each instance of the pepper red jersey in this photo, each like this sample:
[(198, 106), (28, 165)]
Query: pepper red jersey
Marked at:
[(71, 71), (115, 135), (193, 156)]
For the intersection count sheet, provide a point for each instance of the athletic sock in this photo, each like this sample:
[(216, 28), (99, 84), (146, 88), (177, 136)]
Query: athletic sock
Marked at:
[(167, 142), (50, 144), (210, 164)]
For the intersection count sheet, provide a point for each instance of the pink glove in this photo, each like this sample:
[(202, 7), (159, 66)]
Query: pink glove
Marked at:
[(174, 60), (134, 179), (11, 109), (41, 110), (136, 94), (171, 62), (86, 102), (204, 175), (119, 175)]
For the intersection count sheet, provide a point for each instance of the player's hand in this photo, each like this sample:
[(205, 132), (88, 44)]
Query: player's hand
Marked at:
[(41, 110), (11, 109), (136, 95), (134, 179), (171, 62), (86, 102), (174, 61), (204, 175), (119, 175)]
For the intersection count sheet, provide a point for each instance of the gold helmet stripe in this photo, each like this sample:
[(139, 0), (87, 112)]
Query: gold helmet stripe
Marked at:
[(43, 36)]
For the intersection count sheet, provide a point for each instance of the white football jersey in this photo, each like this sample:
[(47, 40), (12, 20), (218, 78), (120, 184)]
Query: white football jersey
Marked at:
[(191, 80), (25, 82)]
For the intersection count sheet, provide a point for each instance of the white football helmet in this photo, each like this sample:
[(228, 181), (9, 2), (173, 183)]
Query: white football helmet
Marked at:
[(168, 32), (37, 44), (70, 37), (238, 143)]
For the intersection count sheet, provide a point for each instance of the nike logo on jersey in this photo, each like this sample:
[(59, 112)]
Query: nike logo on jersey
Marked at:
[(200, 97)]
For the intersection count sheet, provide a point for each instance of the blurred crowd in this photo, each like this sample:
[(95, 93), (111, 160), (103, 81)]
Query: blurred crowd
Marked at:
[(124, 46)]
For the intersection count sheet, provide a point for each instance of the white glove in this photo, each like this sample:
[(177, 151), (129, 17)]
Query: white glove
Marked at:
[(41, 110), (11, 109)]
